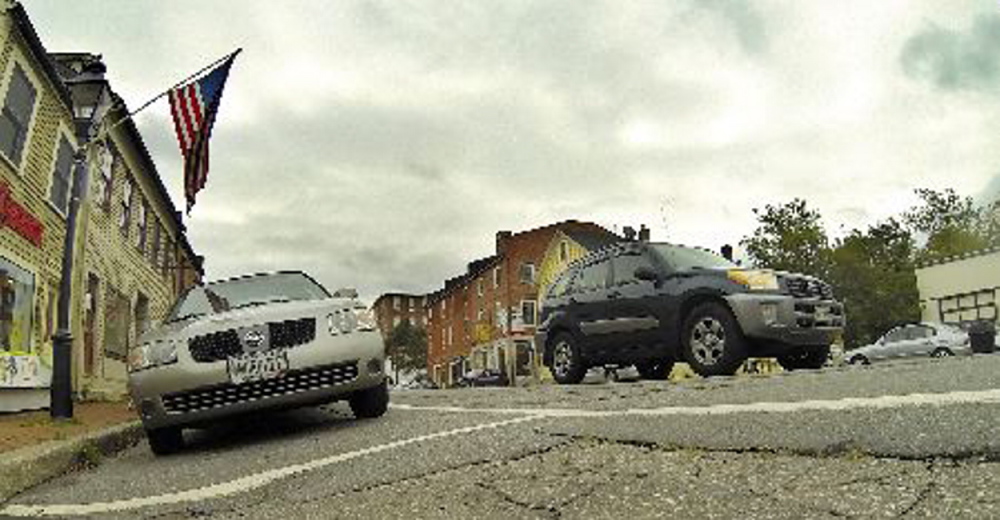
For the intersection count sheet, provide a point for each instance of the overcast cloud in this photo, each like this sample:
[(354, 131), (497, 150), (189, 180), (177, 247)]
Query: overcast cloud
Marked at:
[(381, 144)]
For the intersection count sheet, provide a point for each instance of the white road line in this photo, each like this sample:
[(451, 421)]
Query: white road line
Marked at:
[(848, 403), (239, 485)]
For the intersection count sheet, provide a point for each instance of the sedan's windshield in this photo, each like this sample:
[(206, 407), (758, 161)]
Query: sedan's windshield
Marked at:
[(243, 292), (680, 258)]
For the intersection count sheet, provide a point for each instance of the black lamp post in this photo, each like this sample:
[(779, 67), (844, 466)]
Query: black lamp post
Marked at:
[(61, 391)]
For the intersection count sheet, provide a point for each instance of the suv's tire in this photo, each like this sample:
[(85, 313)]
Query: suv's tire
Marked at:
[(712, 341), (657, 369), (370, 402), (810, 358), (568, 367), (164, 441)]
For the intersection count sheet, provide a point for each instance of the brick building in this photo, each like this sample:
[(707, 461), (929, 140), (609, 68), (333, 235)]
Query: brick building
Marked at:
[(391, 309), (486, 317)]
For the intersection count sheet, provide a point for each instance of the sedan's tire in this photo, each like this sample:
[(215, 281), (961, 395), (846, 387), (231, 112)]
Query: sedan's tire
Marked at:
[(657, 370), (568, 367), (858, 359), (942, 352), (712, 341), (810, 358), (164, 441), (370, 402)]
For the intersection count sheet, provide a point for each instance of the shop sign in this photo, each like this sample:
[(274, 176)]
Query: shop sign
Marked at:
[(24, 371), (18, 218)]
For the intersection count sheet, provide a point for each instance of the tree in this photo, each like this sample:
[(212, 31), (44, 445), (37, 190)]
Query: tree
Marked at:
[(406, 345), (790, 237), (872, 274), (951, 224)]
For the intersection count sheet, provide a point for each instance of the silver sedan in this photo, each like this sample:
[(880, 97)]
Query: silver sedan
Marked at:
[(913, 340)]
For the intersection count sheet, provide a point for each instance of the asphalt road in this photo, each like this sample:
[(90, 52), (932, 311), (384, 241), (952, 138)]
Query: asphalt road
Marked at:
[(918, 438)]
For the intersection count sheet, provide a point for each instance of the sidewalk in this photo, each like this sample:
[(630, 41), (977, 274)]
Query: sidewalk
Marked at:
[(34, 448)]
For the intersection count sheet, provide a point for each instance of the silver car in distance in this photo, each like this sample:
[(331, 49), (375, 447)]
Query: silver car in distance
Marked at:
[(266, 341), (913, 340)]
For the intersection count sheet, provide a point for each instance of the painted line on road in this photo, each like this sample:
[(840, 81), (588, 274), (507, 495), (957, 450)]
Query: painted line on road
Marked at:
[(847, 403), (240, 485)]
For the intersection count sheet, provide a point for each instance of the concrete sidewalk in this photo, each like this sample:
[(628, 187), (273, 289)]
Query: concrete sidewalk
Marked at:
[(33, 448)]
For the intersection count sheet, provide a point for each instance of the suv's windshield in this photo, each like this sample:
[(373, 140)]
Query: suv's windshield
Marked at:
[(243, 292), (682, 258)]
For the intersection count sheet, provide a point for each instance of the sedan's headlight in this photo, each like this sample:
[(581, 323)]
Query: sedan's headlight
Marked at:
[(152, 354), (755, 280)]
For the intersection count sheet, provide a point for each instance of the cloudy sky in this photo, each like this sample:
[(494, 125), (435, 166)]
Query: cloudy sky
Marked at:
[(381, 144)]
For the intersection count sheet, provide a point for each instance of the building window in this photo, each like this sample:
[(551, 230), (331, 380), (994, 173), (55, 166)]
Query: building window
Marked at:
[(496, 278), (117, 321), (527, 273), (61, 175), (479, 287), (16, 115), (141, 315), (154, 247), (395, 321), (168, 256), (126, 215), (479, 314), (17, 293), (528, 312), (104, 179), (563, 251), (140, 219), (395, 302)]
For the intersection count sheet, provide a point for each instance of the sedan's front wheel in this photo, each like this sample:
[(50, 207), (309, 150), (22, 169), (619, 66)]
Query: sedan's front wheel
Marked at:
[(370, 402), (164, 441)]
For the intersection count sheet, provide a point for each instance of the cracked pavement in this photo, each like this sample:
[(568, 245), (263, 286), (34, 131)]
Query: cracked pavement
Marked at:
[(501, 455)]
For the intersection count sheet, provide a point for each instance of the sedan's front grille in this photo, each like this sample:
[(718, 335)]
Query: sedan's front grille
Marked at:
[(806, 288), (291, 383), (215, 346), (290, 333)]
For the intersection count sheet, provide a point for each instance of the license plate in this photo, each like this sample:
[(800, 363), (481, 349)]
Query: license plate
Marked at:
[(257, 365), (822, 313)]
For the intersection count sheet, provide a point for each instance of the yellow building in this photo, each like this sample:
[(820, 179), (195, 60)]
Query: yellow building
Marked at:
[(37, 141), (131, 257), (960, 289), (136, 260)]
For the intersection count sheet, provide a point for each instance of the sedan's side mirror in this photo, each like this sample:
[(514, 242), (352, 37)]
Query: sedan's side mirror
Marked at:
[(646, 273)]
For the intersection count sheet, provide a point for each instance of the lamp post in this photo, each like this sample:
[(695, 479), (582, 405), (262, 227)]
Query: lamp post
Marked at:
[(61, 406)]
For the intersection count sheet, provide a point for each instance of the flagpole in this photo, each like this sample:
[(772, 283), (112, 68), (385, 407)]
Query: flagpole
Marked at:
[(165, 92)]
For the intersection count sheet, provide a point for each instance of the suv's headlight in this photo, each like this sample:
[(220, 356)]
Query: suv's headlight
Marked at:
[(755, 280), (365, 319), (152, 354), (345, 321)]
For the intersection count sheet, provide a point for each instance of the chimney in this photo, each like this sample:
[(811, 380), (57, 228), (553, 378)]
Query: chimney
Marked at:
[(502, 238), (643, 233), (727, 252), (629, 233)]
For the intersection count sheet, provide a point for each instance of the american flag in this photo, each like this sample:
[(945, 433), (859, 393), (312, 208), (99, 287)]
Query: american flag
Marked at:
[(194, 106)]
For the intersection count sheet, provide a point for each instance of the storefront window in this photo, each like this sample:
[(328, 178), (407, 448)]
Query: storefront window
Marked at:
[(17, 292)]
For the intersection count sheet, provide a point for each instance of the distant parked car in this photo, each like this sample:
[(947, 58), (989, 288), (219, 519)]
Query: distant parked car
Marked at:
[(913, 340), (256, 342), (487, 377)]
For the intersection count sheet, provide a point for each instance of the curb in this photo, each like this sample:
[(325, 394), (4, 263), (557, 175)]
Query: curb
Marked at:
[(27, 467)]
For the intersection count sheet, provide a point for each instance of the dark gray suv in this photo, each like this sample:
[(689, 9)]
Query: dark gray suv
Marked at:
[(649, 304)]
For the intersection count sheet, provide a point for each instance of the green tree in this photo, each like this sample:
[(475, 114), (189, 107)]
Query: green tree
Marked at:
[(872, 274), (406, 346), (790, 237), (952, 224)]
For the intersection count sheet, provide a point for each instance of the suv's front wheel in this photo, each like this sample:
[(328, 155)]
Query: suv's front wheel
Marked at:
[(712, 341), (567, 363), (164, 441)]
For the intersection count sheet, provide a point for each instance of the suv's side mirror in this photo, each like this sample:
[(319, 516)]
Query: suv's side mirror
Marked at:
[(646, 273)]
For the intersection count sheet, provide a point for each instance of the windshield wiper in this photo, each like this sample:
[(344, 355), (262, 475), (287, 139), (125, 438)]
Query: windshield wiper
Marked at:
[(265, 302)]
